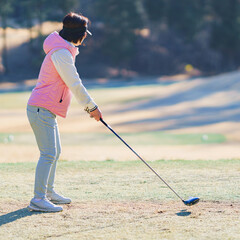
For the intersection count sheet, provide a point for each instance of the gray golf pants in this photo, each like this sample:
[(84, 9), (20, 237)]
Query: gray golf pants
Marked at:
[(45, 128)]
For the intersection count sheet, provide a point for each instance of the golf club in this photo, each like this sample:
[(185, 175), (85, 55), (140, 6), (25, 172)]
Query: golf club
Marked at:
[(191, 201)]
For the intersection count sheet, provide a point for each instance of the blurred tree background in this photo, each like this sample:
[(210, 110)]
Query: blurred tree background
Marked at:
[(130, 37)]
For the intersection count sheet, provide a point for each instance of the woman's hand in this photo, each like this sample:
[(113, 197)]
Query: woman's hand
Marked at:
[(96, 114)]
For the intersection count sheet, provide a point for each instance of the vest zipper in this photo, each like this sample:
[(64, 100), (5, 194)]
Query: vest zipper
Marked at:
[(61, 99)]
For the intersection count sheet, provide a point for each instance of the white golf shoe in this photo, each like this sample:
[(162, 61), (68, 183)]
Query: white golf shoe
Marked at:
[(43, 205), (57, 198)]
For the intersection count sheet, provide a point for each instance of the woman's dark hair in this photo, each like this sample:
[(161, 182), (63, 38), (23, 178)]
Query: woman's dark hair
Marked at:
[(74, 27)]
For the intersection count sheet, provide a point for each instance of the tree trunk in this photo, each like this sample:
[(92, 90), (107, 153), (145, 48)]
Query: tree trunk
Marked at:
[(30, 28), (40, 20), (30, 39), (4, 49)]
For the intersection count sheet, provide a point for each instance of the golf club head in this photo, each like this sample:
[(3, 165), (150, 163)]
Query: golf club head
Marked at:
[(191, 201)]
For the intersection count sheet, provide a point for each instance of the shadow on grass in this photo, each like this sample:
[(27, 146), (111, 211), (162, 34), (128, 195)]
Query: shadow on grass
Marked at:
[(18, 214), (183, 213)]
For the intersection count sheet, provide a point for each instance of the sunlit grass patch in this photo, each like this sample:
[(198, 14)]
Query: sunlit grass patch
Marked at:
[(141, 138)]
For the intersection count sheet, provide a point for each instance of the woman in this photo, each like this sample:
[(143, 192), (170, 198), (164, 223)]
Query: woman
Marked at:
[(58, 79)]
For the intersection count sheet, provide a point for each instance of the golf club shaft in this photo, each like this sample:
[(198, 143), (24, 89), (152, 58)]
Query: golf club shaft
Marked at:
[(138, 156)]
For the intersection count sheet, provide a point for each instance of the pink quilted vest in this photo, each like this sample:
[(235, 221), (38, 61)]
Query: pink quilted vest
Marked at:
[(51, 92)]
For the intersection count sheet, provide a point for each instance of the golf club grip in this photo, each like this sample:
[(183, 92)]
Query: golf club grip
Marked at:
[(138, 156)]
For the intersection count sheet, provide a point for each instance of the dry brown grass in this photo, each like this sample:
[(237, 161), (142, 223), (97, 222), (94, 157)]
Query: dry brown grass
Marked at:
[(29, 153), (123, 220)]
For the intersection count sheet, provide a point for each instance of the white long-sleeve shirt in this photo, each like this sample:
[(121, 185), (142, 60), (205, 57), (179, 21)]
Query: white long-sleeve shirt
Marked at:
[(65, 66)]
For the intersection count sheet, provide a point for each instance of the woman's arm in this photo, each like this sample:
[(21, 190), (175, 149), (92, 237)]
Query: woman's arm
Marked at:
[(64, 64)]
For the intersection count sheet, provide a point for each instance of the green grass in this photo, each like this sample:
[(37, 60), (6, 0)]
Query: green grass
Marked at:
[(130, 180), (143, 138)]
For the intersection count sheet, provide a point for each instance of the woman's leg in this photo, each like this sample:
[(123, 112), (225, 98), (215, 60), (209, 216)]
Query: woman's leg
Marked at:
[(51, 194), (50, 185), (44, 125)]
